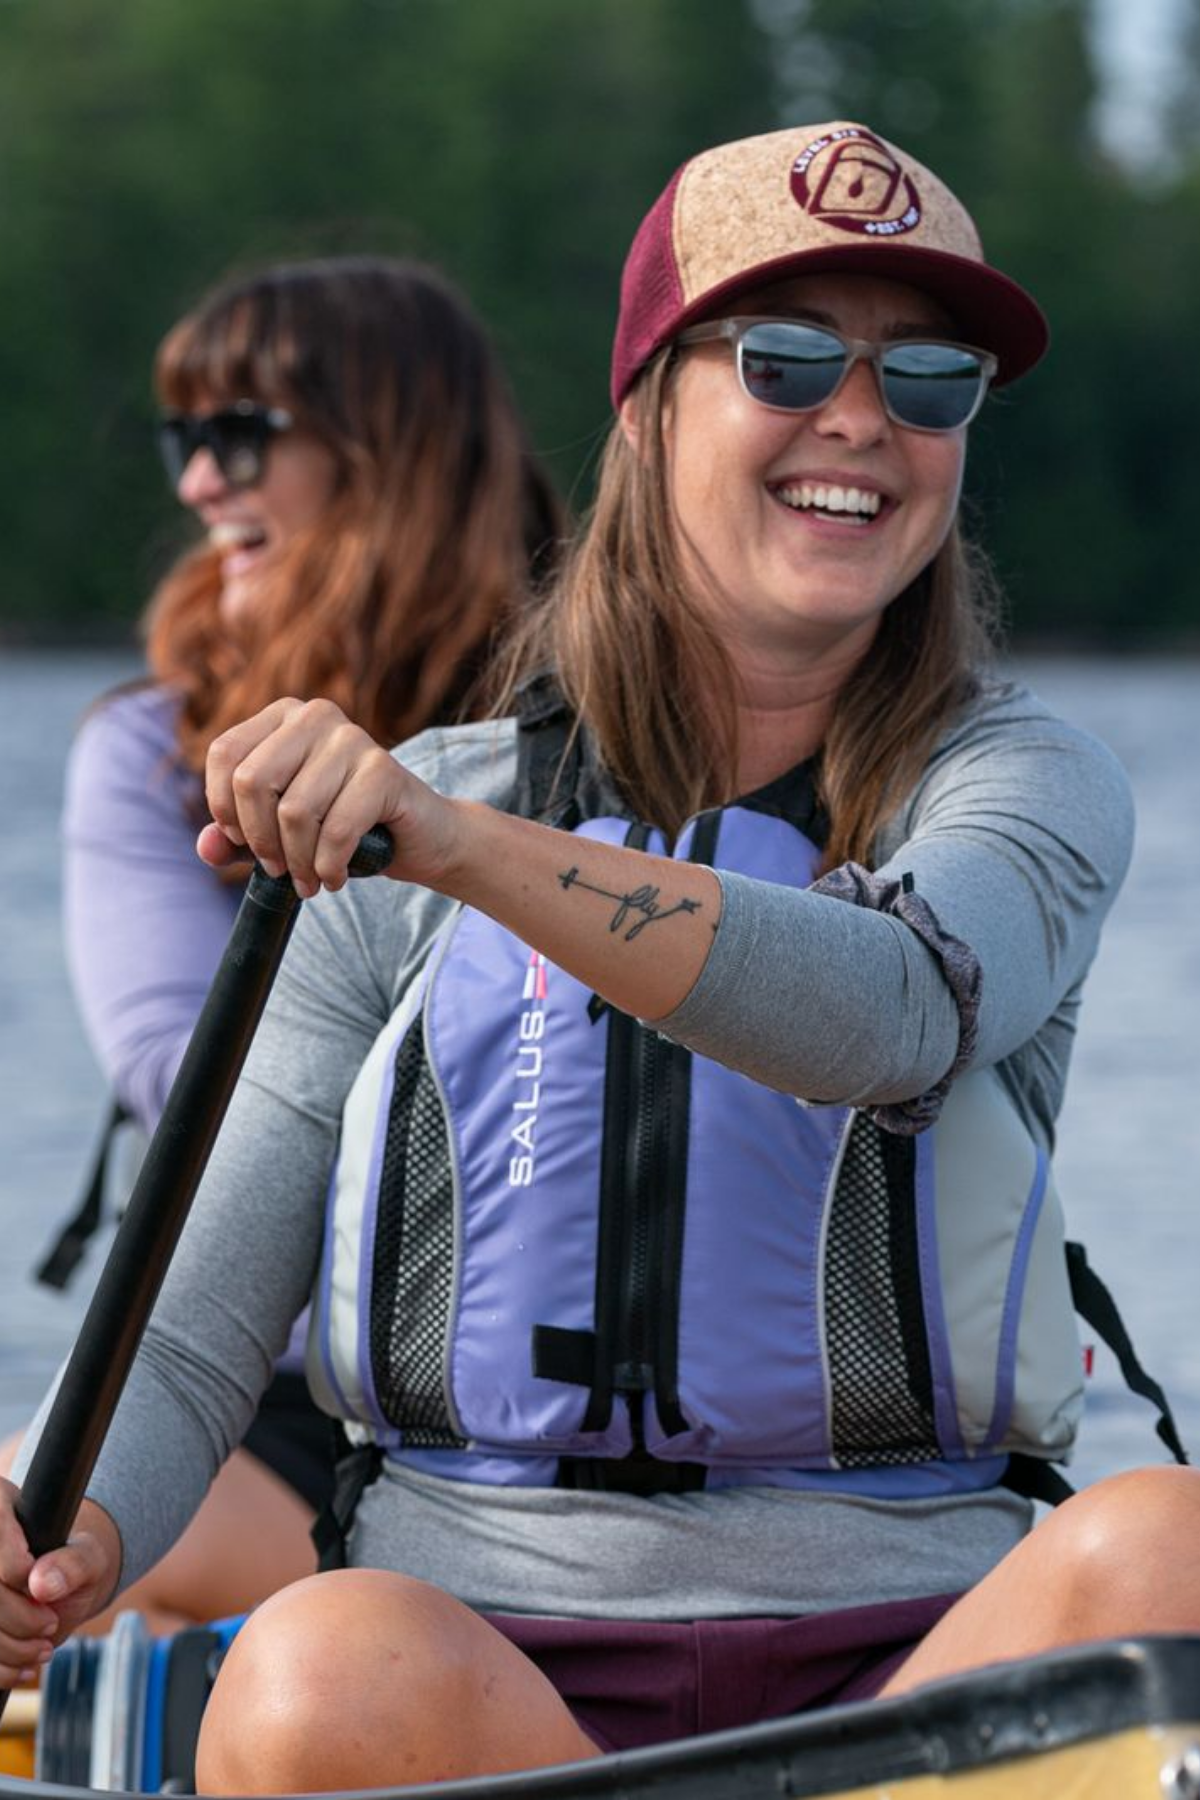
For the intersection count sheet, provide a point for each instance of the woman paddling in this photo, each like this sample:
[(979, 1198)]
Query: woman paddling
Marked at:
[(370, 515), (687, 1361)]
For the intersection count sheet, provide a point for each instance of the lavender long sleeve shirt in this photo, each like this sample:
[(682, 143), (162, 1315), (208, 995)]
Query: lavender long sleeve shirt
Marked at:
[(145, 920)]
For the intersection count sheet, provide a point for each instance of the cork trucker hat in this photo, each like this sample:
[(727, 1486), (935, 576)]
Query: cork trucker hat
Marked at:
[(812, 199)]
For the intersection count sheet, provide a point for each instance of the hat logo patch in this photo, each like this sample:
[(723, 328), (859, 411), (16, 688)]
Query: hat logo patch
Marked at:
[(851, 180)]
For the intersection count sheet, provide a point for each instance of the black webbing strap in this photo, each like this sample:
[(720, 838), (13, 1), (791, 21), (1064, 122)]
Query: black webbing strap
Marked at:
[(1036, 1479), (66, 1252), (354, 1472), (638, 1473), (547, 777), (1096, 1306)]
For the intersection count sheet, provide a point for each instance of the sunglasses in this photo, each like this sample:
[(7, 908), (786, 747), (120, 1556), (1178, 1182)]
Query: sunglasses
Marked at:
[(790, 366), (237, 436)]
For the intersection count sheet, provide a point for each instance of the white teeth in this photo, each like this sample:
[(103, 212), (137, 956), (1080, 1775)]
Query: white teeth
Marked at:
[(819, 496), (231, 533)]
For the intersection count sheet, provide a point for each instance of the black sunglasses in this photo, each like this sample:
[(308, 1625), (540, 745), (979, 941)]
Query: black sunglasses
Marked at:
[(237, 436), (791, 366)]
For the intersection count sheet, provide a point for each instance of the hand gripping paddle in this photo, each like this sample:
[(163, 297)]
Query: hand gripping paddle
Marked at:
[(99, 1364)]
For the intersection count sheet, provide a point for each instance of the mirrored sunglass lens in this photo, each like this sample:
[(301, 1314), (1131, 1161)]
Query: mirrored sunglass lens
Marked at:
[(793, 367), (933, 387)]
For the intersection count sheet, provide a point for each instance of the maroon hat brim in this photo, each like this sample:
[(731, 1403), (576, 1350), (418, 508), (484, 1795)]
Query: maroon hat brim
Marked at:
[(988, 308)]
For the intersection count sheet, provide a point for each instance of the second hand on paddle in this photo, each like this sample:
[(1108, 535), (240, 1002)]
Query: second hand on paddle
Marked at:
[(99, 1364)]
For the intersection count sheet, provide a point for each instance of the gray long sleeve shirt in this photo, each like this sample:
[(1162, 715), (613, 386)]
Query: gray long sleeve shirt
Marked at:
[(1018, 836)]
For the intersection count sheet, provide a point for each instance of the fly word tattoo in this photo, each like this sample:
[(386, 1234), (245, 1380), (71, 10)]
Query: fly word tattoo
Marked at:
[(642, 900)]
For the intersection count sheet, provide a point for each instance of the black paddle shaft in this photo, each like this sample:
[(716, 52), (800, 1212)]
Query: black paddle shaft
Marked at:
[(99, 1364)]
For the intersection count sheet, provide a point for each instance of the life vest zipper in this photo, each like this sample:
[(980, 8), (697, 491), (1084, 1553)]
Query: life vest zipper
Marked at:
[(634, 1372), (643, 1189), (620, 1368)]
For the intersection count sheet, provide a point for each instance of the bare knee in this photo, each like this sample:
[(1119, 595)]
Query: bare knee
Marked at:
[(363, 1678), (1141, 1510), (1118, 1543), (1106, 1564), (306, 1666)]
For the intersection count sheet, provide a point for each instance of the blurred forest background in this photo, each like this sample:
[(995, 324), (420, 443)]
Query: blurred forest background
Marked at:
[(149, 147)]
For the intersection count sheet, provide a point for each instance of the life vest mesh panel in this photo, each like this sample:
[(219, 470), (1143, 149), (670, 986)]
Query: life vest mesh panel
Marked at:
[(881, 1391), (413, 1264)]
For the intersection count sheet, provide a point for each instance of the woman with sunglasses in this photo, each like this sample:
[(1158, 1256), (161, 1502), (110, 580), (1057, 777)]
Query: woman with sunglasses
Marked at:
[(690, 1274), (370, 515)]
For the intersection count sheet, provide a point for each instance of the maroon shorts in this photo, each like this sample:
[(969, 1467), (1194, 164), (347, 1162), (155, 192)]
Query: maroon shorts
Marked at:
[(634, 1684)]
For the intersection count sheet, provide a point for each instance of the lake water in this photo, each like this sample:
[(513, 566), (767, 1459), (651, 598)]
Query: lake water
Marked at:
[(1129, 1157)]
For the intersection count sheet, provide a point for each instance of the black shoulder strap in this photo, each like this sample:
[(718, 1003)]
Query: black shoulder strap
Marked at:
[(548, 754), (561, 780), (66, 1252), (1095, 1304)]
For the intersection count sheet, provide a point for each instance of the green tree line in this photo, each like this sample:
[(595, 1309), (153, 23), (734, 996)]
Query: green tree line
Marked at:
[(149, 147)]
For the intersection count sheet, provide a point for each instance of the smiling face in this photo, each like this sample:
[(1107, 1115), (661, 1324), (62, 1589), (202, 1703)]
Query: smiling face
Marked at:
[(249, 526), (799, 529)]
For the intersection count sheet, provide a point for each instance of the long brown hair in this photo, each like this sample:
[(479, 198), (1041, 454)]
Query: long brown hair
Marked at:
[(391, 603), (647, 674)]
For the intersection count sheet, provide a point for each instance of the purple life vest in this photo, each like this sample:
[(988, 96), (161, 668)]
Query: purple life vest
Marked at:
[(562, 1249)]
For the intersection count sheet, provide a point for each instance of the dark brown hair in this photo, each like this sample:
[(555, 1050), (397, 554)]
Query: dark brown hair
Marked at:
[(391, 603)]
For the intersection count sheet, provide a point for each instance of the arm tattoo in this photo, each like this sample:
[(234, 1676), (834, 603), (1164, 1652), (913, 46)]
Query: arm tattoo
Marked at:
[(642, 900)]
